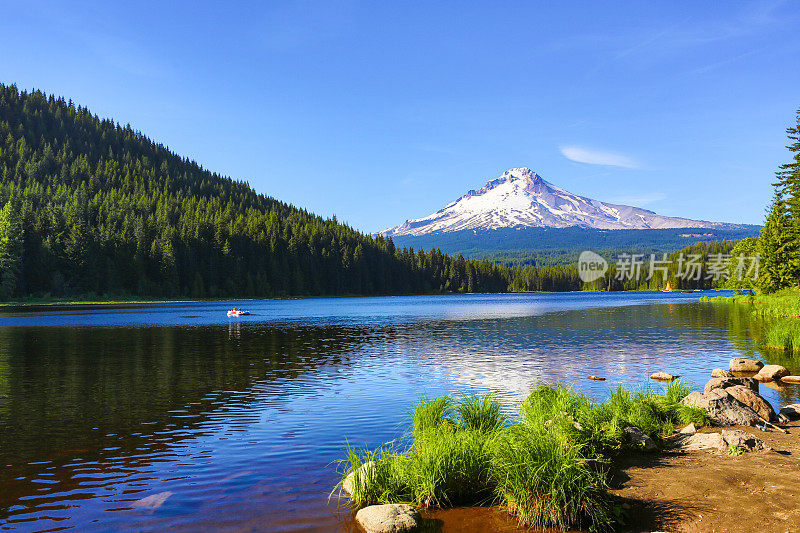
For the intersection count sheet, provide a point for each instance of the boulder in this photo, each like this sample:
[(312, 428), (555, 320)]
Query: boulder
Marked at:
[(771, 373), (364, 472), (738, 364), (724, 383), (722, 408), (689, 430), (721, 441), (664, 376), (748, 441), (389, 518), (638, 439), (790, 379), (702, 441), (721, 373), (753, 401), (792, 412)]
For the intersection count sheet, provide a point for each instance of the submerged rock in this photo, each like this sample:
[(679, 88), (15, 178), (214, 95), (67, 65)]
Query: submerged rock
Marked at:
[(772, 372), (638, 439), (790, 379), (722, 408), (364, 472), (154, 501), (738, 364), (596, 378), (664, 376), (389, 518), (721, 373), (724, 383)]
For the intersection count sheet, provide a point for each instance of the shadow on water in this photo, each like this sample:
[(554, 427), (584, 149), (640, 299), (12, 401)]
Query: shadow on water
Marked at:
[(115, 399)]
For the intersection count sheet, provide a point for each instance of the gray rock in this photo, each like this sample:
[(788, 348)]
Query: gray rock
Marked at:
[(664, 376), (702, 441), (754, 401), (364, 472), (748, 441), (792, 412), (689, 430), (638, 439), (389, 518), (772, 372), (722, 408), (720, 373), (721, 441), (744, 365), (724, 383)]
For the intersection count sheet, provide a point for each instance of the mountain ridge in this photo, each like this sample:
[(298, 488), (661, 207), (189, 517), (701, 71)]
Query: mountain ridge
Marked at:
[(521, 198)]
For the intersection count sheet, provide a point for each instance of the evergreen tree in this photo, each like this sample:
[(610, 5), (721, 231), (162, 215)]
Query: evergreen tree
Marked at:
[(10, 249)]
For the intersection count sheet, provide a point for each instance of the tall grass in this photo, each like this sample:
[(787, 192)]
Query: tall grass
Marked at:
[(483, 414), (547, 465), (779, 313)]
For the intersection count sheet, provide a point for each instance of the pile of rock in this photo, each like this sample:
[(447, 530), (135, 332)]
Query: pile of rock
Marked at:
[(732, 401), (759, 371)]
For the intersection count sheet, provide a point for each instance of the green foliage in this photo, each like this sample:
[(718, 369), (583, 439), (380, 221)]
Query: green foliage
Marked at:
[(736, 450), (431, 414), (779, 242), (97, 210), (546, 467), (482, 414), (10, 248), (774, 318)]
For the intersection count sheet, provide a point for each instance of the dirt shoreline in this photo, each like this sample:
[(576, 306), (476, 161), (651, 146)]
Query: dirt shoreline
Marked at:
[(701, 491)]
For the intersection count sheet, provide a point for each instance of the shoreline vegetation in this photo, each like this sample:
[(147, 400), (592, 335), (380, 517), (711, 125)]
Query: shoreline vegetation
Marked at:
[(546, 464), (777, 313)]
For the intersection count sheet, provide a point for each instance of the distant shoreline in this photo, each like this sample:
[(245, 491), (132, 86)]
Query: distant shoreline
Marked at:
[(56, 302)]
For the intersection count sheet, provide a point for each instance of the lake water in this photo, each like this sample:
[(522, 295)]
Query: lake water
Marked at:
[(234, 424)]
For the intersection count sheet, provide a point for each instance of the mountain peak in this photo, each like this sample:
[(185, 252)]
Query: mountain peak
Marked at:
[(521, 173), (521, 198)]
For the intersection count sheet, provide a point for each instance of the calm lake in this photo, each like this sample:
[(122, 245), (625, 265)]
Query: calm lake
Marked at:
[(174, 417)]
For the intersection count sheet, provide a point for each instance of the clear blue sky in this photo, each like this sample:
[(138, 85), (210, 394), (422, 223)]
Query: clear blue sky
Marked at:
[(378, 113)]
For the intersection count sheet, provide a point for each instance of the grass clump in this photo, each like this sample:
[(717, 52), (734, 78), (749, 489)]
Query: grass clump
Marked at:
[(736, 450), (547, 465)]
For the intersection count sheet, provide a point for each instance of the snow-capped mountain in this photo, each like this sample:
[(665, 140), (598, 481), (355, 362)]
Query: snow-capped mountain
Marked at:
[(520, 198)]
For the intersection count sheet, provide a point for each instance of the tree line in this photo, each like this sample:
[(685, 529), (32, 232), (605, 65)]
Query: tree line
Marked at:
[(91, 208)]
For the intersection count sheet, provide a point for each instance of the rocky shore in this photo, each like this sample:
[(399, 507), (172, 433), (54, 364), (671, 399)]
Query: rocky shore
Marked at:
[(742, 424)]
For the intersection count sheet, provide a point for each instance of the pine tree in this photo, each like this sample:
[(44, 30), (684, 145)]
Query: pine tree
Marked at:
[(10, 249), (779, 242)]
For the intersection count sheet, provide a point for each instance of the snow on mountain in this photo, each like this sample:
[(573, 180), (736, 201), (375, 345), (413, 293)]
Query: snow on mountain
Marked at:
[(521, 198)]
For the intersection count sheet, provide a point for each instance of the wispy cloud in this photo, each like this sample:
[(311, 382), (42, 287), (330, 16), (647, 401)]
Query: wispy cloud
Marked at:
[(597, 157)]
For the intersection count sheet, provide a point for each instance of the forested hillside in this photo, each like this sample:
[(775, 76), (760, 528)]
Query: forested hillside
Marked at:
[(91, 208)]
